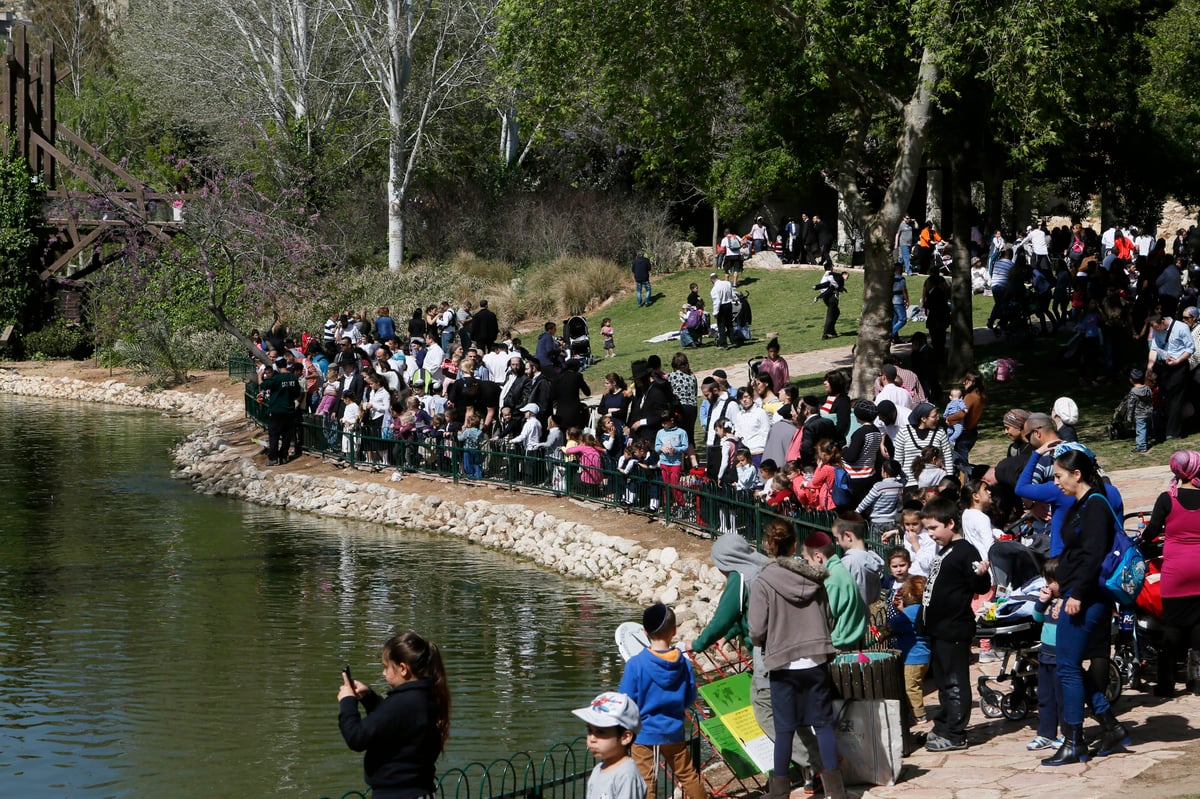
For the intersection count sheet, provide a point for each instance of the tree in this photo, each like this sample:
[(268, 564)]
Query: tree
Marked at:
[(253, 70), (423, 58), (19, 212), (240, 254)]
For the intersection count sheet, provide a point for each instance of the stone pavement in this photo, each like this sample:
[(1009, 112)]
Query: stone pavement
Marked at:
[(997, 766)]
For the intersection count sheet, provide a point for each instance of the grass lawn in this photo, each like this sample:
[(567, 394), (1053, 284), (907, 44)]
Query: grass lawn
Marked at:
[(781, 302)]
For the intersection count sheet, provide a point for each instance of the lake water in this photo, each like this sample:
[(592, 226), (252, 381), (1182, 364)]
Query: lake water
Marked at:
[(155, 642)]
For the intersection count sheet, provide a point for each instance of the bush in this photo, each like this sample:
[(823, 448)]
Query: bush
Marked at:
[(59, 339)]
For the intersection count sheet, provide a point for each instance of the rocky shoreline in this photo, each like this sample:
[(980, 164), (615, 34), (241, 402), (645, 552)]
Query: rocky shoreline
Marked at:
[(214, 465)]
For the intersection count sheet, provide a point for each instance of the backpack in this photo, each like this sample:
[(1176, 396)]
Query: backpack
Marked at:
[(842, 497), (734, 247), (1123, 571)]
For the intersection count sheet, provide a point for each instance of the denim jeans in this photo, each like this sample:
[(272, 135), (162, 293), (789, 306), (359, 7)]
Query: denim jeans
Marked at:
[(792, 700), (1074, 634), (1141, 427), (906, 258), (1049, 700), (640, 288), (899, 317), (447, 339), (999, 290)]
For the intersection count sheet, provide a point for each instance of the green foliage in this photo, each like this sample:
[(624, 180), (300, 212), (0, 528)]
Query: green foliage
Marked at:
[(18, 222), (59, 339), (166, 353)]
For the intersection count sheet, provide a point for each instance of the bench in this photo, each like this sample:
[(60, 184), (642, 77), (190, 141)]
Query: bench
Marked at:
[(6, 337)]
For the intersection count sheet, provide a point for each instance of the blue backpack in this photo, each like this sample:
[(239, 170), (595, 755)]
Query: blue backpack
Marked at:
[(1123, 571), (841, 488)]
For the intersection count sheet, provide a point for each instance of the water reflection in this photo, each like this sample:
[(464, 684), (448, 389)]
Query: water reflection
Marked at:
[(156, 641)]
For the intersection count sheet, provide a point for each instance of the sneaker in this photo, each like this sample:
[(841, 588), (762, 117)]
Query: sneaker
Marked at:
[(988, 656), (1040, 742), (1059, 741), (936, 743)]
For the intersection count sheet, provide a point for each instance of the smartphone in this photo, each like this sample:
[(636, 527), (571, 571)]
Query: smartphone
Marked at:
[(346, 671)]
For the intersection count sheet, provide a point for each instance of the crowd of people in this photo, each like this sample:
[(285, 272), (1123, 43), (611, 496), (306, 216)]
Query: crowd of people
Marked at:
[(924, 534)]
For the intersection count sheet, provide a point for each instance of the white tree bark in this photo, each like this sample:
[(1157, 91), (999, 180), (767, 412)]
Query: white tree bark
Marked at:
[(422, 57)]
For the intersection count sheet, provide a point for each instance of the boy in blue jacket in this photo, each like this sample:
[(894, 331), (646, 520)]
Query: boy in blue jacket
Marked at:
[(660, 680)]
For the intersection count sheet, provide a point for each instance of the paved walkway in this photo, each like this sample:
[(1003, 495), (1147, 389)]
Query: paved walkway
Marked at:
[(997, 766)]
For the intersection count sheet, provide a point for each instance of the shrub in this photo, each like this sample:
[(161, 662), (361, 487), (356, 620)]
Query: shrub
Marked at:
[(59, 339)]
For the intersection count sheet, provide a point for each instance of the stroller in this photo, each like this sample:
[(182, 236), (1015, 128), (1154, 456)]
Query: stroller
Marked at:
[(742, 316), (752, 368), (579, 343), (1120, 426)]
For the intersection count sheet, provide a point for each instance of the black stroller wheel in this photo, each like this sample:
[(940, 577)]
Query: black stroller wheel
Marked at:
[(1014, 709), (1112, 691)]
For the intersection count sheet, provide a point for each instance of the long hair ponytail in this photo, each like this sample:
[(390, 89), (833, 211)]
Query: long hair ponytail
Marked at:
[(424, 659)]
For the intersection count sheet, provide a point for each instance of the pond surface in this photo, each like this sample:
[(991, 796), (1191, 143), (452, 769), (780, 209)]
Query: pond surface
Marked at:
[(155, 642)]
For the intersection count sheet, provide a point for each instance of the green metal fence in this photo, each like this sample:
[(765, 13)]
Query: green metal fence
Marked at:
[(243, 367), (694, 503), (561, 773)]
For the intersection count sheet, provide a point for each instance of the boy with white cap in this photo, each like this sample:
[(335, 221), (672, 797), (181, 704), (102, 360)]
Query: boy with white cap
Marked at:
[(612, 722)]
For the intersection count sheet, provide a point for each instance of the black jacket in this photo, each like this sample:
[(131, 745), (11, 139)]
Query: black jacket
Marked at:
[(399, 737), (946, 606), (641, 269), (485, 329), (1087, 535)]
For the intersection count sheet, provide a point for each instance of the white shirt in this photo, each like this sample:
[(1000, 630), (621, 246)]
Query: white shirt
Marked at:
[(722, 294), (977, 528), (751, 427), (1144, 244), (434, 355), (1107, 238), (497, 365), (899, 397), (1038, 240)]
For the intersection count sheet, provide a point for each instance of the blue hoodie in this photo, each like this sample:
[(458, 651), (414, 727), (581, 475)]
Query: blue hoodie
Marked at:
[(663, 686)]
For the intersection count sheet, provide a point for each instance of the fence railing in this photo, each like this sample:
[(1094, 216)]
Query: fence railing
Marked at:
[(693, 502), (243, 367), (561, 773)]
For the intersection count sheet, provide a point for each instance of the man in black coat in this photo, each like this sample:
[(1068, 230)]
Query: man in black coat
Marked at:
[(815, 428), (641, 274), (485, 328), (651, 397), (824, 240)]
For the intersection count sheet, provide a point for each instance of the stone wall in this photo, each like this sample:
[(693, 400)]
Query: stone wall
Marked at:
[(621, 566)]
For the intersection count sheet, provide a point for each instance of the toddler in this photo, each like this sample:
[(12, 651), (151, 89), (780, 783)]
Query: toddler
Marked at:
[(606, 332), (1046, 610), (914, 648), (955, 405), (747, 475), (1138, 407)]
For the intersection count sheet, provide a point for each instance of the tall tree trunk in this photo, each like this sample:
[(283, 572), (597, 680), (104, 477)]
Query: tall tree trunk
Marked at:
[(395, 204), (993, 199), (1022, 203), (960, 350), (874, 329)]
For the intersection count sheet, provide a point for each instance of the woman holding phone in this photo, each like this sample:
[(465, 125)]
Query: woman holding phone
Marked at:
[(405, 732)]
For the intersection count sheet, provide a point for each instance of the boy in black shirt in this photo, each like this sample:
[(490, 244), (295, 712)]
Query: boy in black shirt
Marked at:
[(957, 575)]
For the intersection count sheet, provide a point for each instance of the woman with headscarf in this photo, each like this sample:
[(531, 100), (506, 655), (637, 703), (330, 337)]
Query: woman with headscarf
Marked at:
[(1083, 630), (862, 452), (1065, 414), (1176, 517), (922, 431)]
